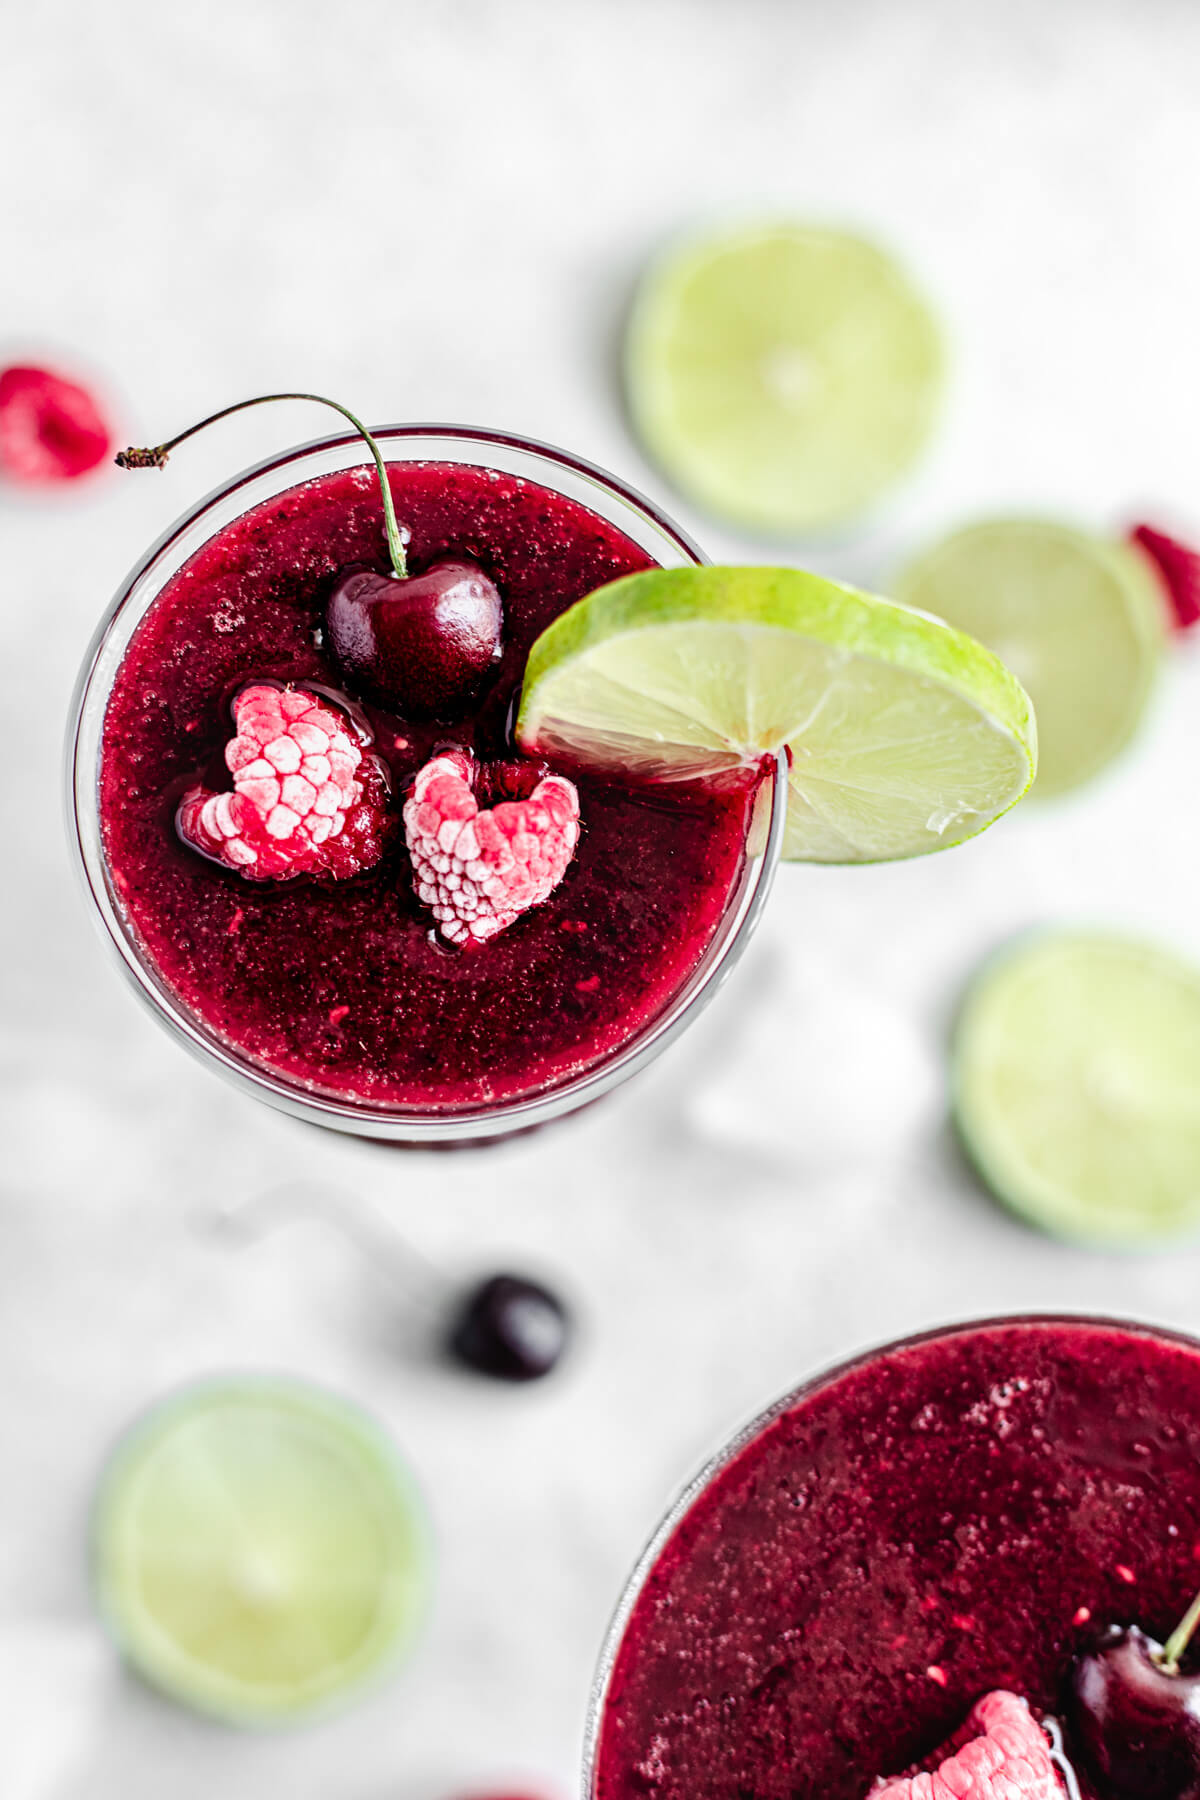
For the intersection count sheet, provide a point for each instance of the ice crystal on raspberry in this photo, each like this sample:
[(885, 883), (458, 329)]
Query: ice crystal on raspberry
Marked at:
[(1002, 1753), (306, 800), (477, 870)]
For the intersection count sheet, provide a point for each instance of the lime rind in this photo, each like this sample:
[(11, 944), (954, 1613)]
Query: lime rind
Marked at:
[(783, 376), (118, 1564), (1080, 618), (905, 736), (1075, 1087)]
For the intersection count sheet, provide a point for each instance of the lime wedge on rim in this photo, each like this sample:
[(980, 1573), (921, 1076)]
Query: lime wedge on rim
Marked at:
[(258, 1550), (904, 736), (1080, 619), (1077, 1087), (782, 375)]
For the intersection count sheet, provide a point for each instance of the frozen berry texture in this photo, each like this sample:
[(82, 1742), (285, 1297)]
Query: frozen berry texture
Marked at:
[(1001, 1754), (305, 799), (51, 429), (349, 986), (958, 1515), (479, 870)]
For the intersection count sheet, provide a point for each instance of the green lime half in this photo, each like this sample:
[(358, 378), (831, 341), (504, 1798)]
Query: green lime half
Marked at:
[(782, 376), (1078, 619), (904, 736), (258, 1549), (1077, 1087)]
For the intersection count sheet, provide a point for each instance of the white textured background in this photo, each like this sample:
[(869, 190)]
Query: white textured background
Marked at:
[(435, 210)]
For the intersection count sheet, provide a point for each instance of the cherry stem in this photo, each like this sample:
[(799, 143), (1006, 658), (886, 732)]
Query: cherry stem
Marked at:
[(156, 458), (1180, 1638)]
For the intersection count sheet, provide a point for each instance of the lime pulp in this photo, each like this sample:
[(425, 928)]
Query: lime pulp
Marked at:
[(783, 376), (258, 1549), (1077, 1087), (1079, 619), (903, 736)]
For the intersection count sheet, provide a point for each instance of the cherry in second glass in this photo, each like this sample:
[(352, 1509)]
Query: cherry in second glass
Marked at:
[(967, 1557)]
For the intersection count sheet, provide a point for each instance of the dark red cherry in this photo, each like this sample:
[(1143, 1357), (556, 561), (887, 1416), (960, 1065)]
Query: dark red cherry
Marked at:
[(510, 1328), (1134, 1721), (421, 644)]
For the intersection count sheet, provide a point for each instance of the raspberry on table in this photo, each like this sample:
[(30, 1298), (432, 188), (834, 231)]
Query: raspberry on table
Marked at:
[(1001, 1754), (305, 799), (479, 870), (51, 429), (1179, 567)]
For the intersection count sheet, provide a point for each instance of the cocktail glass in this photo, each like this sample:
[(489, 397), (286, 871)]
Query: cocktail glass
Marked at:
[(1111, 1402), (562, 473)]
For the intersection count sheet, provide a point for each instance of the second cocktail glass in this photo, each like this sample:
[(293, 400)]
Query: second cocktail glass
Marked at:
[(974, 1510)]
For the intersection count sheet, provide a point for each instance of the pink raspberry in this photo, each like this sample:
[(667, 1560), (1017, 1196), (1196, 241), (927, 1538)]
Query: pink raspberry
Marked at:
[(1002, 1754), (305, 799), (50, 429), (1179, 568), (477, 870)]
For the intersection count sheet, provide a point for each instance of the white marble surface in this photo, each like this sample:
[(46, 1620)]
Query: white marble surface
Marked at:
[(434, 210)]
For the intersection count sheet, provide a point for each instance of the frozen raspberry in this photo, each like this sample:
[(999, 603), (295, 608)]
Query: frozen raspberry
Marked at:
[(50, 429), (477, 870), (1179, 568), (1000, 1754), (305, 799)]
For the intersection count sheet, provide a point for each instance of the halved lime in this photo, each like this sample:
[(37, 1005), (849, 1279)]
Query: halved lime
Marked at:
[(1079, 619), (782, 375), (1077, 1087), (258, 1549), (904, 736)]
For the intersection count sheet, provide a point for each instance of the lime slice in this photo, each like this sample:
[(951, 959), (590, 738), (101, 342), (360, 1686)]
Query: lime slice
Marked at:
[(258, 1550), (1077, 1087), (1080, 620), (904, 735), (782, 376)]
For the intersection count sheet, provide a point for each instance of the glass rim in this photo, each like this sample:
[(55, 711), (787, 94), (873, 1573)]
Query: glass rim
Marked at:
[(409, 1125), (744, 1435)]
